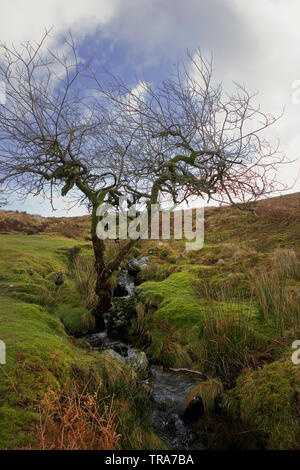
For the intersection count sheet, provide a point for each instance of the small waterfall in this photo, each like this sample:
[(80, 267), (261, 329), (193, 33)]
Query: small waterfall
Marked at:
[(125, 285)]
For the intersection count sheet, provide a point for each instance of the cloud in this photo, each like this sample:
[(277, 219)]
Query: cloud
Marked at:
[(256, 43), (23, 21)]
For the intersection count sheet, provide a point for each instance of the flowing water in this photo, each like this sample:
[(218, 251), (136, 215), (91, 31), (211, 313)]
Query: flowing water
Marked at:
[(169, 387)]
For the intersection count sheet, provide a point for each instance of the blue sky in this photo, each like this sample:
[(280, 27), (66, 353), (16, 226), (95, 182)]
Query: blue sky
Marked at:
[(256, 43)]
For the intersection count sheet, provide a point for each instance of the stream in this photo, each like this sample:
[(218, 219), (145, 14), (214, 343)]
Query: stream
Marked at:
[(169, 388)]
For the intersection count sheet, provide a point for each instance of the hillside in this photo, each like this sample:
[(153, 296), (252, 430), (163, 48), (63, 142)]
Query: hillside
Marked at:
[(230, 310)]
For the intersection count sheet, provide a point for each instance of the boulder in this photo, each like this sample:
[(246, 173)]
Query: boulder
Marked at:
[(140, 364), (115, 355), (119, 321), (135, 265)]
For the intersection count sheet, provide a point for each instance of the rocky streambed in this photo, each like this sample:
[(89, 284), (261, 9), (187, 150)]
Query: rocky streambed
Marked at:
[(169, 388)]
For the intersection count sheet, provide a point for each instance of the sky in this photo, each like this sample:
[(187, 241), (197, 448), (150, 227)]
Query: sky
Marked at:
[(255, 43)]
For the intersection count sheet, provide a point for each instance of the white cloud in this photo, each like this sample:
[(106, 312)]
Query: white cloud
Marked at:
[(256, 43), (25, 20), (272, 67)]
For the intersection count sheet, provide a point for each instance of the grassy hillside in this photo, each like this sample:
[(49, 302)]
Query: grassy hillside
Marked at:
[(230, 310), (44, 364)]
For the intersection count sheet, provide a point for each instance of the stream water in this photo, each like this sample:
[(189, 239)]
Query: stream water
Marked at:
[(169, 388)]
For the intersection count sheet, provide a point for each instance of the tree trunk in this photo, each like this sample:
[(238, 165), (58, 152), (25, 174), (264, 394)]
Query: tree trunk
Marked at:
[(104, 284), (104, 287)]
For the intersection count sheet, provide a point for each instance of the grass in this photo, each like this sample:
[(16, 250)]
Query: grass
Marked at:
[(85, 279), (208, 391), (43, 363), (75, 418), (267, 401), (228, 343), (234, 319), (276, 303)]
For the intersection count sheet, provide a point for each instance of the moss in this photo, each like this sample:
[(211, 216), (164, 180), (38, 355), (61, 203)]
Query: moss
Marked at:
[(267, 400), (40, 355), (263, 405), (230, 284), (157, 271), (175, 298), (176, 302), (14, 428), (77, 321)]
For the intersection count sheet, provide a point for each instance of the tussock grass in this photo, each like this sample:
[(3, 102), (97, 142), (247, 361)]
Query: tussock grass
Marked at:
[(85, 279), (208, 391), (228, 342), (266, 401), (285, 263), (167, 349), (276, 303)]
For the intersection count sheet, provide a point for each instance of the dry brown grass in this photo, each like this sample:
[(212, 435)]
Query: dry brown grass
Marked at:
[(74, 419), (85, 278), (69, 229), (281, 210), (285, 263), (21, 222)]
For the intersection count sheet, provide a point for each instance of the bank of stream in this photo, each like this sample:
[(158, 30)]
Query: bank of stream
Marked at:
[(168, 387)]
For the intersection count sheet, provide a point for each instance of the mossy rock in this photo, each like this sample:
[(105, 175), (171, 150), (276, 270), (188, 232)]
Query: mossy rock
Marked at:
[(122, 312)]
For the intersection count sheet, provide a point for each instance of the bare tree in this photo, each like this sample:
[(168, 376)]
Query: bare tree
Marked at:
[(63, 132), (55, 136), (192, 139)]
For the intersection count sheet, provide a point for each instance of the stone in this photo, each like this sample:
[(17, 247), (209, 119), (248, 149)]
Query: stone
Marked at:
[(135, 265), (119, 321), (115, 355), (140, 364)]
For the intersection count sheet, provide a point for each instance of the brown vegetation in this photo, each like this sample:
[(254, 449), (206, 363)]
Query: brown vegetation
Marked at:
[(74, 419)]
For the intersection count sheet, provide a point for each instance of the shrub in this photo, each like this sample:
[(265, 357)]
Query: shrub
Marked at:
[(69, 230)]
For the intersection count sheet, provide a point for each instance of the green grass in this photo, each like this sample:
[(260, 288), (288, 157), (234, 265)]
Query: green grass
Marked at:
[(195, 312), (35, 317), (267, 401)]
